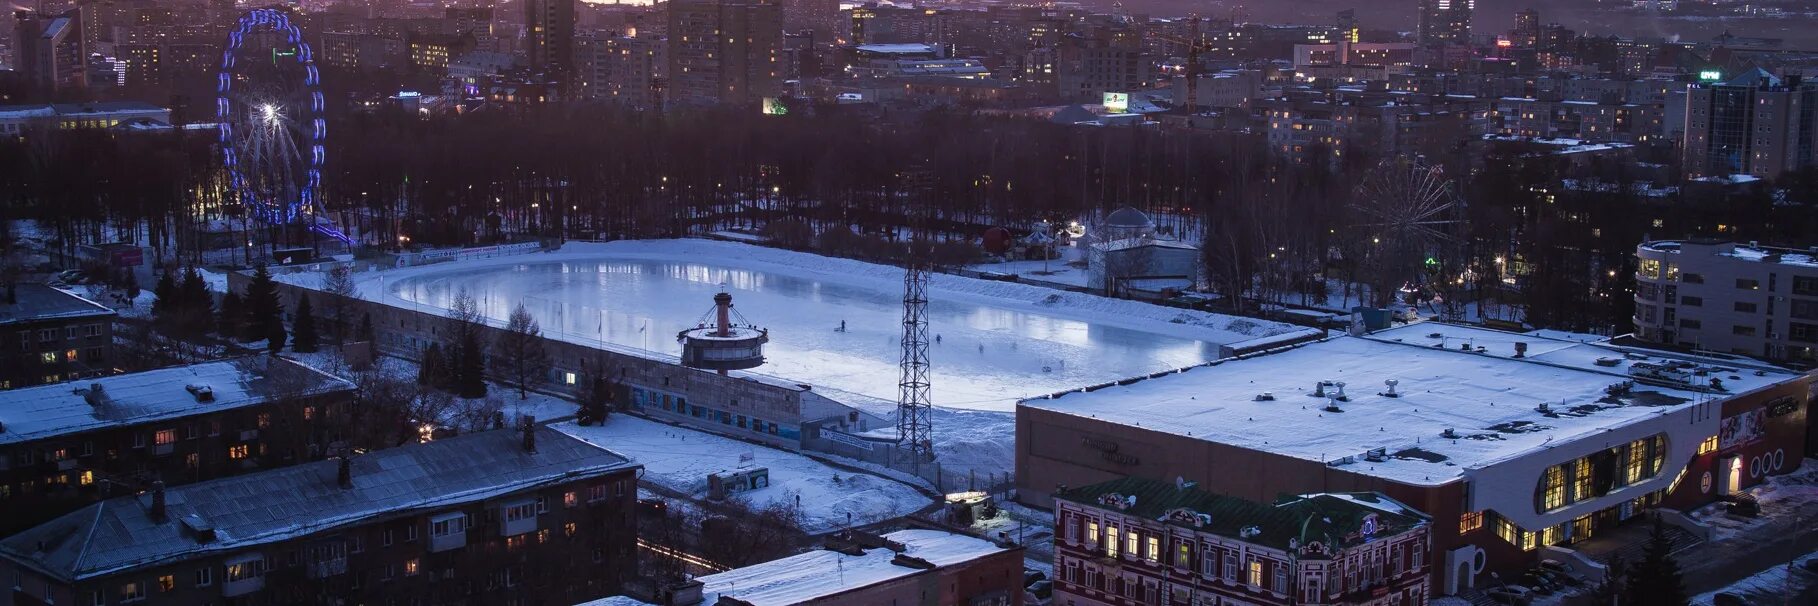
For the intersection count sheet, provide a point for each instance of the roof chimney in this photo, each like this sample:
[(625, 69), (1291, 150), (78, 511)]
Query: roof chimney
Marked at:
[(530, 434), (344, 475), (157, 501), (95, 396)]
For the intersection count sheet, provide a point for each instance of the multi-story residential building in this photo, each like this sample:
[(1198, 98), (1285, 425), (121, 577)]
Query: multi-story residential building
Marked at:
[(1087, 68), (1445, 22), (549, 36), (361, 51), (624, 69), (61, 447), (49, 50), (496, 517), (914, 566), (1392, 123), (1724, 296), (47, 335), (1585, 120), (1141, 541), (1517, 445), (724, 51), (1753, 124)]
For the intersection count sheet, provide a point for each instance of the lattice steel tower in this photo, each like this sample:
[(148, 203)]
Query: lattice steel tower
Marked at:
[(914, 430)]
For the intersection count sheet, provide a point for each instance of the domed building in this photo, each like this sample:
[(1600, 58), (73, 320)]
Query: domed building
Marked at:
[(1125, 258)]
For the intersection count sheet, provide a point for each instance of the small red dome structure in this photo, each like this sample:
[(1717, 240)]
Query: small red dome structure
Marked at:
[(998, 240)]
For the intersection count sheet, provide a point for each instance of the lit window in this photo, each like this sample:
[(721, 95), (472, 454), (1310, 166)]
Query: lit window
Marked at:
[(1470, 521), (410, 567), (568, 377), (167, 583), (1256, 576), (237, 451), (165, 436), (1708, 445)]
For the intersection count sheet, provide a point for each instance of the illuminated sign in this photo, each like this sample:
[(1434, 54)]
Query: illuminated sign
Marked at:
[(1710, 75), (1117, 102), (774, 107)]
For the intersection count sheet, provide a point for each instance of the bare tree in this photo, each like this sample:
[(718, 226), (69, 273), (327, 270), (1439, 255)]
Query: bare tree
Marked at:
[(520, 357), (339, 285)]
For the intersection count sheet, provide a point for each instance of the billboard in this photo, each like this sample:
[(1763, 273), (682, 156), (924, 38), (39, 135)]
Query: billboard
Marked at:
[(1117, 102)]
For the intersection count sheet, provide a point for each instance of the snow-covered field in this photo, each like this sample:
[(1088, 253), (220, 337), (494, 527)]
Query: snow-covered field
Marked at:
[(996, 342), (680, 459)]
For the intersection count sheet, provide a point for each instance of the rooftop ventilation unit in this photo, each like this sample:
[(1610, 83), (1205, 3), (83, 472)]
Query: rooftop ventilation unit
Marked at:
[(202, 393), (1265, 397), (1391, 393)]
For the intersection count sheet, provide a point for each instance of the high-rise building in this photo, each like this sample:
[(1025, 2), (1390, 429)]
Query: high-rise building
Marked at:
[(1445, 22), (820, 16), (50, 51), (1527, 29), (549, 36), (1752, 124), (1347, 27), (622, 69), (724, 51)]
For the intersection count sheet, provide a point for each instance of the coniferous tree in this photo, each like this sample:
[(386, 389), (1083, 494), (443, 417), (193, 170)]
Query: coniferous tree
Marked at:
[(303, 328), (471, 371), (429, 372), (232, 316), (132, 287), (164, 303), (275, 339), (1655, 580), (264, 311), (198, 306)]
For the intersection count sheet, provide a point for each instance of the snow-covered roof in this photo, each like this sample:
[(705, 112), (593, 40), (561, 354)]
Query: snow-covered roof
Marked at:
[(1741, 252), (35, 413), (1486, 395), (1332, 519), (37, 303), (823, 573), (249, 510)]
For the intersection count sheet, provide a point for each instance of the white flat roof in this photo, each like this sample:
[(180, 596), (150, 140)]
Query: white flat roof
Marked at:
[(822, 573), (1488, 398), (38, 412)]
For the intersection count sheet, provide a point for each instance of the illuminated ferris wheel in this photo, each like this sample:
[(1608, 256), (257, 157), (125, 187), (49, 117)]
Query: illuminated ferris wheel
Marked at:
[(269, 109)]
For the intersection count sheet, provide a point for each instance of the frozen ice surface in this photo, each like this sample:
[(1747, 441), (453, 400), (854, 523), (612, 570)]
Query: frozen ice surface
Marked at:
[(995, 342)]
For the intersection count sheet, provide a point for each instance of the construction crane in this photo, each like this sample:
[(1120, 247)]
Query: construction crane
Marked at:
[(1194, 44)]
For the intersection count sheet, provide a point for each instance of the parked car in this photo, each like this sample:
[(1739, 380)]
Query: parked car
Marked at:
[(1556, 567), (1031, 576), (1563, 579), (1539, 582), (1042, 589), (1743, 507), (1725, 598), (1514, 595)]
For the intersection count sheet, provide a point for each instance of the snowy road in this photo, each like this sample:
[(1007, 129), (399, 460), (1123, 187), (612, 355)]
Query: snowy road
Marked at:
[(996, 342)]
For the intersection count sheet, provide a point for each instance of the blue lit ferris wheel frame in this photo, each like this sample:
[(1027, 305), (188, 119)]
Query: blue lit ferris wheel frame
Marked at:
[(271, 211)]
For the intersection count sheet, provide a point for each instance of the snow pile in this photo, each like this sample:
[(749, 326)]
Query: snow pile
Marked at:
[(1781, 497), (680, 459)]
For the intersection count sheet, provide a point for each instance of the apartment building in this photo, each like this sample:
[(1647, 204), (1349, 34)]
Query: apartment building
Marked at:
[(1725, 296), (1753, 124), (47, 335), (496, 517), (65, 446)]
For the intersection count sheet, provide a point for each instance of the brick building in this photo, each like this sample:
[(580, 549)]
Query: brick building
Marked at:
[(915, 566), (1518, 445), (1131, 541), (65, 446), (524, 516), (47, 336)]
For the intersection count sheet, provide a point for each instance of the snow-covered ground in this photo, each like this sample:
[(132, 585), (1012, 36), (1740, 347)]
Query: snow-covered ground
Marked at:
[(1774, 585), (1780, 497), (680, 459), (1069, 269), (996, 342)]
